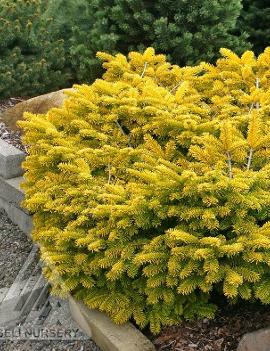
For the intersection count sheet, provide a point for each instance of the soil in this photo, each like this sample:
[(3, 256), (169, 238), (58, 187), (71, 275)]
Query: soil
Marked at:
[(10, 136), (220, 334)]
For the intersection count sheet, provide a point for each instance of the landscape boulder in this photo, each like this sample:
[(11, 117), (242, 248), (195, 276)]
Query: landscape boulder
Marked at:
[(38, 105)]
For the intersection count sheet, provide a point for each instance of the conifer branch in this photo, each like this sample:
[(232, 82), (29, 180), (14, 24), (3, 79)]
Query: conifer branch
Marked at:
[(110, 174), (144, 69), (257, 107), (249, 158), (229, 157), (176, 86), (122, 131), (257, 86), (251, 107)]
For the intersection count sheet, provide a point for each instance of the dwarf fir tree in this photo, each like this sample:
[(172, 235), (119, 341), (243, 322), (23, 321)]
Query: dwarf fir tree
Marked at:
[(149, 194), (31, 63)]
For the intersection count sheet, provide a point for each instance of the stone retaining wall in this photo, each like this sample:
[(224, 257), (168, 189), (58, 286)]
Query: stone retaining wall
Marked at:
[(11, 195)]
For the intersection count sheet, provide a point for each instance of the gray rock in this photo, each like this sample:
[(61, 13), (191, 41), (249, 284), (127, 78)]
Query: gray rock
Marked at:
[(255, 341), (38, 105)]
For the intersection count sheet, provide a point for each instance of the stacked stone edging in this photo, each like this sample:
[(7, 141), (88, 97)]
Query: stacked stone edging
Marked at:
[(11, 195), (10, 160), (107, 335)]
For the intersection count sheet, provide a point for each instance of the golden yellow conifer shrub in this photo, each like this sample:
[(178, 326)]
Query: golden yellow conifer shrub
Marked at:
[(150, 188)]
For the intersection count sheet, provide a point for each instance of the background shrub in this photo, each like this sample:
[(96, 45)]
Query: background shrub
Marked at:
[(187, 32), (254, 20), (150, 188), (69, 18), (31, 63), (47, 45)]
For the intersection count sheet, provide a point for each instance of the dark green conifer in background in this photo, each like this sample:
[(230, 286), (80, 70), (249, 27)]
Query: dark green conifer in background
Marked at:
[(31, 63), (255, 19), (187, 31)]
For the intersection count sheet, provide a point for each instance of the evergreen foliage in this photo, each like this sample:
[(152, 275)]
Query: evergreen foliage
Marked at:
[(31, 63), (150, 187), (188, 32), (65, 15), (254, 20), (70, 21)]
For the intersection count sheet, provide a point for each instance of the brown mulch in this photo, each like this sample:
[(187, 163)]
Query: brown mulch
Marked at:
[(220, 334), (10, 136)]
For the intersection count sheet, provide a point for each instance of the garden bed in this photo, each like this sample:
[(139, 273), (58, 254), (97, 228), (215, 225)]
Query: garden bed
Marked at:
[(220, 334)]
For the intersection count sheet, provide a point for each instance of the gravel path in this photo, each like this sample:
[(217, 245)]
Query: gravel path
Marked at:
[(14, 249), (48, 346)]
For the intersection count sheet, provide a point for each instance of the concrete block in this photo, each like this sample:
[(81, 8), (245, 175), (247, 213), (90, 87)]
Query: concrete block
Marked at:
[(79, 318), (10, 190), (256, 341), (107, 335), (10, 160), (17, 216)]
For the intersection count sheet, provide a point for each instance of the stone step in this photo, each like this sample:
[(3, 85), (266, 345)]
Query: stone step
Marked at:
[(10, 190), (17, 216), (29, 286), (44, 312), (10, 160), (28, 289), (43, 297), (13, 296)]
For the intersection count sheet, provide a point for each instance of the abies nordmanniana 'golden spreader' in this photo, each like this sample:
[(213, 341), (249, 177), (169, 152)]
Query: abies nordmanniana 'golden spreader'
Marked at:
[(150, 188)]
